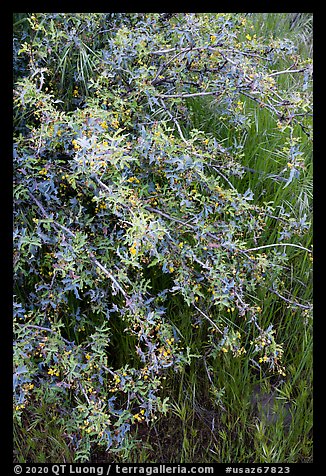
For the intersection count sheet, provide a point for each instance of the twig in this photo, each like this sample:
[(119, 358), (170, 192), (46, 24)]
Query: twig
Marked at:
[(294, 303), (276, 244), (222, 175), (95, 261), (190, 95), (164, 65), (169, 217), (175, 122), (287, 71), (46, 329), (261, 103), (208, 318)]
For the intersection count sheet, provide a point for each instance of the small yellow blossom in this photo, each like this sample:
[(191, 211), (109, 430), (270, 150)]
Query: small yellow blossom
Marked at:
[(54, 372)]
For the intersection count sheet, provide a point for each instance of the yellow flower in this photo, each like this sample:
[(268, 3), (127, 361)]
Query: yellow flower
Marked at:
[(171, 269), (248, 37), (132, 250), (104, 125), (213, 38), (74, 143), (54, 372)]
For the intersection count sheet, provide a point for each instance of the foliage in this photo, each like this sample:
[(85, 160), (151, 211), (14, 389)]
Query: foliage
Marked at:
[(121, 208)]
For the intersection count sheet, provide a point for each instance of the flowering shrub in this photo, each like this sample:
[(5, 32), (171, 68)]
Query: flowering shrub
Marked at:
[(120, 209)]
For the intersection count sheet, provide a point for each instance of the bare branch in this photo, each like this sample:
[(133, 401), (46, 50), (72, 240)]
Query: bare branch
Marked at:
[(293, 303), (208, 318), (287, 71), (277, 244)]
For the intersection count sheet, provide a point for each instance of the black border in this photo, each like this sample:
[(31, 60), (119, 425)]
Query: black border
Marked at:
[(6, 202)]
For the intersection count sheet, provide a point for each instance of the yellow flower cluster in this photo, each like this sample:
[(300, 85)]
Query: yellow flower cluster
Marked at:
[(101, 206), (139, 416), (54, 371), (43, 171), (75, 144), (132, 249)]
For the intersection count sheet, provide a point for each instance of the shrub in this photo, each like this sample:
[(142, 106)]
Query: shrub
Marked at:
[(121, 208)]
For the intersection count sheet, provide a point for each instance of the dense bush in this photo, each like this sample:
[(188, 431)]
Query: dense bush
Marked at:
[(120, 209)]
